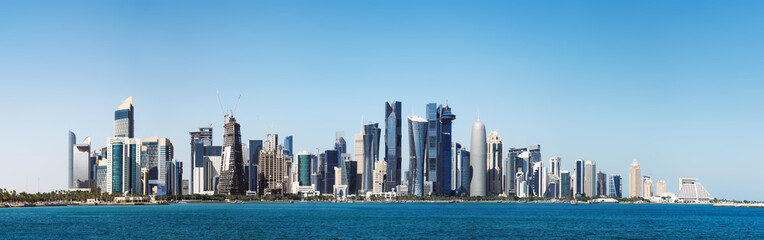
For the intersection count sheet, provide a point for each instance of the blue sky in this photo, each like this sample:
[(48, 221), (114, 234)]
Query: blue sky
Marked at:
[(676, 85)]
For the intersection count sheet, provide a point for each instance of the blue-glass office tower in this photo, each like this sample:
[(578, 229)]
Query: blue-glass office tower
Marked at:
[(117, 167), (288, 143), (466, 172), (351, 169), (417, 146), (615, 186), (303, 172), (578, 171), (331, 158), (199, 139), (433, 143), (371, 136), (393, 144), (124, 120), (254, 157), (340, 144), (565, 184), (515, 164), (443, 186)]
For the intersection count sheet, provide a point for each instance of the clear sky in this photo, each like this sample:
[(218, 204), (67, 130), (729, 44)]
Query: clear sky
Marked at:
[(676, 85)]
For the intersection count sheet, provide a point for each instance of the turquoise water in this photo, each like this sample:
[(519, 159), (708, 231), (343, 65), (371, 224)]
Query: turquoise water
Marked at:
[(383, 221)]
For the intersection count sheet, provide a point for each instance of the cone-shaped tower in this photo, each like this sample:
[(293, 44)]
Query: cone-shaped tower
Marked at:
[(478, 158)]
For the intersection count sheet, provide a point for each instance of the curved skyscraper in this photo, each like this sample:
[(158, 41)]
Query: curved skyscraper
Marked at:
[(478, 146), (417, 142), (393, 144)]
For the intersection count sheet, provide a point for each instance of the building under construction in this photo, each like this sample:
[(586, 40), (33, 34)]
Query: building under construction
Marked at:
[(232, 179)]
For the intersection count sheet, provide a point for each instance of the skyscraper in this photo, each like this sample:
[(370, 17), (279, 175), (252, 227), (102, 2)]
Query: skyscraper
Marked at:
[(536, 183), (578, 178), (393, 144), (304, 159), (445, 160), (465, 171), (494, 163), (82, 176), (565, 184), (380, 170), (554, 165), (478, 159), (123, 166), (70, 163), (456, 166), (359, 159), (417, 143), (123, 119), (288, 143), (635, 180), (232, 180), (433, 143), (157, 155), (273, 168), (660, 188), (371, 153), (615, 186), (590, 179), (255, 146), (601, 184), (199, 139), (340, 144), (647, 187), (331, 161)]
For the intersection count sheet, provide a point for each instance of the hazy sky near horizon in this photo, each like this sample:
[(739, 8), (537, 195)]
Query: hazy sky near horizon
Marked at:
[(675, 85)]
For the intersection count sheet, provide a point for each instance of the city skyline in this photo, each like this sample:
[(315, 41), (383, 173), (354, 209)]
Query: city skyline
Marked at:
[(657, 101)]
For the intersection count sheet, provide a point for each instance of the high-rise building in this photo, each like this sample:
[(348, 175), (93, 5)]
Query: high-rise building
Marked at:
[(601, 184), (380, 170), (554, 165), (433, 143), (660, 188), (478, 159), (304, 159), (393, 153), (565, 184), (465, 171), (578, 178), (157, 155), (124, 120), (273, 168), (514, 163), (371, 136), (82, 176), (494, 163), (521, 186), (199, 139), (590, 179), (331, 161), (232, 179), (635, 180), (123, 173), (615, 186), (174, 177), (70, 163), (456, 167), (445, 156), (537, 184), (359, 159), (255, 146), (339, 142), (534, 154), (647, 187), (288, 143), (417, 148), (351, 168)]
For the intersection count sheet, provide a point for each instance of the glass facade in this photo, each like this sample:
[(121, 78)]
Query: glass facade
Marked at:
[(254, 156), (417, 141), (445, 160), (433, 142), (615, 186), (393, 144), (578, 171), (332, 159), (116, 167), (351, 168), (288, 143), (371, 152), (304, 169), (565, 184)]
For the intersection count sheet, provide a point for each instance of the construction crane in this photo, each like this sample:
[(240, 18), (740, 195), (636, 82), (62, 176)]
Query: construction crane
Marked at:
[(222, 109)]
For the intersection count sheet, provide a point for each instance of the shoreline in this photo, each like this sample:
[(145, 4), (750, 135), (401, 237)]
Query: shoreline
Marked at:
[(19, 205)]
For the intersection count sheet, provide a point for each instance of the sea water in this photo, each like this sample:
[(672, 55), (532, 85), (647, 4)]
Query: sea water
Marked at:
[(383, 221)]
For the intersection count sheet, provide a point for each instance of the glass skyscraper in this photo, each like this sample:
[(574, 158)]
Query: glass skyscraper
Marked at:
[(303, 172), (417, 141), (288, 143), (393, 144), (370, 153), (433, 143), (123, 119), (331, 161), (615, 186), (565, 184), (254, 156), (443, 186)]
